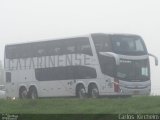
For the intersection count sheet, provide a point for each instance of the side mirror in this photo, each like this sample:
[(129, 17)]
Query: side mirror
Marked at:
[(110, 54), (155, 58)]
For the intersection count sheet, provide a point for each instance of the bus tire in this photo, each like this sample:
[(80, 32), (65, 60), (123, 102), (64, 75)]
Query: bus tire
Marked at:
[(32, 94), (22, 93), (93, 91), (81, 92)]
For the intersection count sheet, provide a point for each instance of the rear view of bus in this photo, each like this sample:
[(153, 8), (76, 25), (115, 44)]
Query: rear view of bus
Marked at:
[(129, 62)]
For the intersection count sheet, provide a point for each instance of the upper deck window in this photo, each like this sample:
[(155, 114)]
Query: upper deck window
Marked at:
[(102, 42), (79, 45), (129, 44)]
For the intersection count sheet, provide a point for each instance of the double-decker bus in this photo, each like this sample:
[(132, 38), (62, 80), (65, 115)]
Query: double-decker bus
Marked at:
[(93, 65)]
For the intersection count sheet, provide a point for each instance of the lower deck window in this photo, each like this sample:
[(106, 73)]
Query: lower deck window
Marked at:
[(65, 73)]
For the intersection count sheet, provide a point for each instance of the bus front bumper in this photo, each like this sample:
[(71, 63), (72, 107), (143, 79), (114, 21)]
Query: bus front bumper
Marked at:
[(136, 91)]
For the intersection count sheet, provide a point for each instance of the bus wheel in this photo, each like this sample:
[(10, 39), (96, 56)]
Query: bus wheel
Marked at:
[(33, 94), (93, 91), (81, 92), (23, 93)]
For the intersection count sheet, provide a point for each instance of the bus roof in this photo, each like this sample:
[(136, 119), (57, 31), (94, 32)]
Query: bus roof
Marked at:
[(124, 34)]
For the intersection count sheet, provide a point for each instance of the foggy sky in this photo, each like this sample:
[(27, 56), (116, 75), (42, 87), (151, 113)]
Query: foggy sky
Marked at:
[(32, 20)]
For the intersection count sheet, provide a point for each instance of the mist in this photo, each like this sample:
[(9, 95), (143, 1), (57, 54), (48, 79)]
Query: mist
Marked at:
[(34, 20)]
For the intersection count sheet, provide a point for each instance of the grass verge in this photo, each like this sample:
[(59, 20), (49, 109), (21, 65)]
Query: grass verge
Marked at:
[(137, 105)]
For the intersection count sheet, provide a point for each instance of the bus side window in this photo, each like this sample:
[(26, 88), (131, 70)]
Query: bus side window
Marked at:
[(57, 47), (70, 49), (102, 42), (107, 65), (84, 72), (57, 50), (69, 46), (8, 76), (84, 47), (98, 46)]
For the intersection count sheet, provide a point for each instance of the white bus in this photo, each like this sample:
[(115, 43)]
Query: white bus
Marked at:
[(93, 65)]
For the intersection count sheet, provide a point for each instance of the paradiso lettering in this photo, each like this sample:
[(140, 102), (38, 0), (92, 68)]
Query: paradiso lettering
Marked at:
[(49, 61)]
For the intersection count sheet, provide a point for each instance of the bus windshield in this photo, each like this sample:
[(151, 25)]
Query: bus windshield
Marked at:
[(128, 45), (133, 70)]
